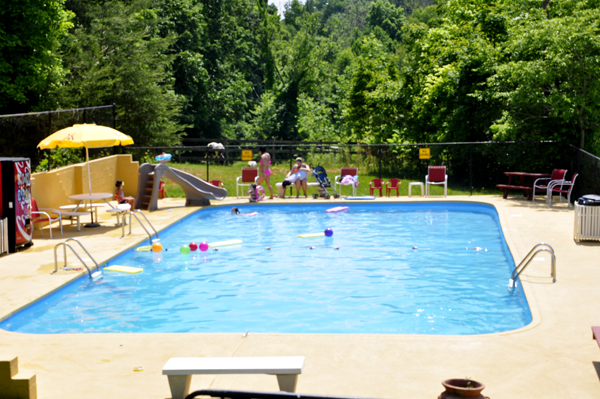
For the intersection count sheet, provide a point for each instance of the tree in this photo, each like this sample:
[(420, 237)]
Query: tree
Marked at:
[(550, 82), (30, 64), (116, 55)]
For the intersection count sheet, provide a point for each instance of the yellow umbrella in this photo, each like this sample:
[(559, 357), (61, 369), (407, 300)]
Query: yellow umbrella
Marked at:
[(88, 136)]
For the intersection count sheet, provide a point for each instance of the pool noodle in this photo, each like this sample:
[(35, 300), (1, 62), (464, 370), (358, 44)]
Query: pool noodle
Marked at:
[(145, 248), (337, 209), (124, 269), (311, 235), (224, 243)]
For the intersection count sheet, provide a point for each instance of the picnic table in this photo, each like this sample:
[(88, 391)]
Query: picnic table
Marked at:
[(525, 183)]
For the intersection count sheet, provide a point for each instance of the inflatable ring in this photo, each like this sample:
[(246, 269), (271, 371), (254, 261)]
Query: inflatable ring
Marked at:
[(163, 158)]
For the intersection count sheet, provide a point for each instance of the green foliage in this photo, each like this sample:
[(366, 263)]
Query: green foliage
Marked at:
[(59, 157), (30, 64), (116, 55)]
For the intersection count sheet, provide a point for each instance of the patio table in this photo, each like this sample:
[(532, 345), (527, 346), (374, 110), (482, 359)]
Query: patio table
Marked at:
[(90, 197), (525, 184)]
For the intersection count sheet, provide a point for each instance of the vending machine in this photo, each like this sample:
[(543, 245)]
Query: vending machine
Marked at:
[(15, 202)]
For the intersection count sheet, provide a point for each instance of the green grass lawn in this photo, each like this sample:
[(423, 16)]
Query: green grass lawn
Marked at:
[(228, 174)]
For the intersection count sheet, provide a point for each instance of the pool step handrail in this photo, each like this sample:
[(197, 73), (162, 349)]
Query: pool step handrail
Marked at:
[(527, 260), (65, 244), (133, 213)]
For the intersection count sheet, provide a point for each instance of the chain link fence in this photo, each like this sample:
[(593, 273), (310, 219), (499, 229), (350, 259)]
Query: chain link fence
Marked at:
[(20, 133), (471, 166)]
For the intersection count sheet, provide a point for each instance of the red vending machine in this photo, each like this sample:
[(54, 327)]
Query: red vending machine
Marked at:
[(15, 202)]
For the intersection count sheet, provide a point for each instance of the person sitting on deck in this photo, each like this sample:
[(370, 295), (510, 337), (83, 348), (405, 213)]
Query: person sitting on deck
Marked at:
[(120, 195)]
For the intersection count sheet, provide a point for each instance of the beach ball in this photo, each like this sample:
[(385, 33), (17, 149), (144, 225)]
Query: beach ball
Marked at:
[(185, 250), (328, 232), (193, 246), (203, 246), (157, 247)]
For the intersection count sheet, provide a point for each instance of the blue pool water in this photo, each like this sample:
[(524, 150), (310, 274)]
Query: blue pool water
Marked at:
[(375, 283)]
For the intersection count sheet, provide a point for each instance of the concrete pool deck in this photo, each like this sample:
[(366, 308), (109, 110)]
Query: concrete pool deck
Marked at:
[(553, 357)]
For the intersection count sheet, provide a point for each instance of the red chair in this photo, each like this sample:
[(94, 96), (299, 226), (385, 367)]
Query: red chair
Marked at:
[(376, 184), (544, 182), (248, 177), (39, 216), (436, 175), (217, 183), (553, 188), (346, 171), (161, 190), (393, 184)]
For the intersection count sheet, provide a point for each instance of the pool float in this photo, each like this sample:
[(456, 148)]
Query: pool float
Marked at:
[(337, 209), (145, 248), (163, 158), (124, 269), (224, 243), (251, 214), (311, 235), (364, 197)]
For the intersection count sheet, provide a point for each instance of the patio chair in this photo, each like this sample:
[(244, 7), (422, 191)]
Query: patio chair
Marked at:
[(436, 175), (543, 182), (566, 187), (161, 190), (217, 183), (393, 184), (346, 171), (41, 215), (249, 176), (376, 184)]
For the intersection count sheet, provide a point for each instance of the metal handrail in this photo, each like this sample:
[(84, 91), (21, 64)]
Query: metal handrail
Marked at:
[(82, 247), (76, 254), (133, 213), (530, 256), (150, 224)]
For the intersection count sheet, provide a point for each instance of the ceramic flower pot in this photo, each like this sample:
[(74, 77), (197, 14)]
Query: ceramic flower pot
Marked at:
[(462, 388)]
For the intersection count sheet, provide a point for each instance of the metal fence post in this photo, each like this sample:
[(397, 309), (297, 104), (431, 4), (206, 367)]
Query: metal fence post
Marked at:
[(471, 167), (380, 161)]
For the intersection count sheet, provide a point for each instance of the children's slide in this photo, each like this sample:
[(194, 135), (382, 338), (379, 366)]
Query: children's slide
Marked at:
[(197, 191)]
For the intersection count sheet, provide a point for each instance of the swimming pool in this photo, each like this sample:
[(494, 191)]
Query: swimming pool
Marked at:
[(375, 283)]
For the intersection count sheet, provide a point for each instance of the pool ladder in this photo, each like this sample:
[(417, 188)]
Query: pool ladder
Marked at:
[(134, 213), (512, 283), (66, 244)]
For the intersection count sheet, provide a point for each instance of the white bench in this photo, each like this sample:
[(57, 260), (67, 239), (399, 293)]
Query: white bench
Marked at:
[(281, 191), (119, 210), (94, 206), (73, 216), (179, 370)]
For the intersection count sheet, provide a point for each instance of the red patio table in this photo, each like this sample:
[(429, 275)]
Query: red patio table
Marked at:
[(523, 184)]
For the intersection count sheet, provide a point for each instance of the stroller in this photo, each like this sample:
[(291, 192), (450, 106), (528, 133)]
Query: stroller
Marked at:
[(321, 175)]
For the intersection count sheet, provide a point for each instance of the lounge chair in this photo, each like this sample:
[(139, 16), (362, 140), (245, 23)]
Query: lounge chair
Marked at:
[(41, 215), (436, 175), (543, 182), (217, 183), (249, 176)]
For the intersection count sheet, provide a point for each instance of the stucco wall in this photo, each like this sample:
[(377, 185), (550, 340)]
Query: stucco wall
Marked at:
[(52, 189)]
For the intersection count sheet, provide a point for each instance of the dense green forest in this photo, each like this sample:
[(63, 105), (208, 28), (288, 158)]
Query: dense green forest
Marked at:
[(341, 70)]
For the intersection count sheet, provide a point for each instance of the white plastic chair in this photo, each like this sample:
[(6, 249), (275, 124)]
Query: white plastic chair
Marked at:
[(38, 213), (345, 172), (249, 176), (436, 175)]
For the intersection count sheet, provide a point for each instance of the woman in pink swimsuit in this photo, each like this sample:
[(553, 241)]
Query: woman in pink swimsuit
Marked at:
[(265, 169)]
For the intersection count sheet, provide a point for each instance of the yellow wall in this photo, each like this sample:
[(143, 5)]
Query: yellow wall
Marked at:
[(52, 189)]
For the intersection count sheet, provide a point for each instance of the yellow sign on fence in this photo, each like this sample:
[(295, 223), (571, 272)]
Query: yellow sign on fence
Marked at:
[(246, 155), (424, 153)]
